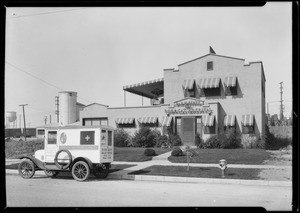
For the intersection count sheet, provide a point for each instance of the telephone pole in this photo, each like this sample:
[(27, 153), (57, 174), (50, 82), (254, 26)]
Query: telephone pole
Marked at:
[(57, 108), (45, 120), (22, 105), (281, 105)]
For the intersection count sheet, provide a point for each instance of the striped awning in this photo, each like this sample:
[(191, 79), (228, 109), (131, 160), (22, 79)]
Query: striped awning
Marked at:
[(230, 81), (229, 120), (166, 121), (247, 120), (205, 83), (188, 84), (148, 120), (124, 120), (208, 120)]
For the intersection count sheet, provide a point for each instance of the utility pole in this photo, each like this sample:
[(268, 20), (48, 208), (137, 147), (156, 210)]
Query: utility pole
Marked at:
[(22, 105), (45, 119), (281, 105), (57, 108), (50, 118)]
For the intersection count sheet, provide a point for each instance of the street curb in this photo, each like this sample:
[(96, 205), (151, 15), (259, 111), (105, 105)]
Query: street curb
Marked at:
[(198, 180), (178, 179)]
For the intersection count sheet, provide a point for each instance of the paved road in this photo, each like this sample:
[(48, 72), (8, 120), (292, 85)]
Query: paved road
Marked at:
[(65, 191)]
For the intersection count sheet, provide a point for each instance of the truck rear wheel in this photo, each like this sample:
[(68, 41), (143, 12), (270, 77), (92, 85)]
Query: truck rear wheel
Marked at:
[(80, 171), (101, 171), (26, 169)]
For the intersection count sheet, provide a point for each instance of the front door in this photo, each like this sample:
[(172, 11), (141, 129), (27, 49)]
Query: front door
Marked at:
[(51, 146), (188, 131)]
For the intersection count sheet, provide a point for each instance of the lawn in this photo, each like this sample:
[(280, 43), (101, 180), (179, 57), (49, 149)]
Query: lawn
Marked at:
[(201, 172), (232, 156), (135, 154)]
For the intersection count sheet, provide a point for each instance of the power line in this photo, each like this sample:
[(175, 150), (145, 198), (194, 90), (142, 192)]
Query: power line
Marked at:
[(49, 84), (44, 13)]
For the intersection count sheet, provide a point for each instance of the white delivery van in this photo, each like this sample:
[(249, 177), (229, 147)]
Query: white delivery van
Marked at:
[(80, 150)]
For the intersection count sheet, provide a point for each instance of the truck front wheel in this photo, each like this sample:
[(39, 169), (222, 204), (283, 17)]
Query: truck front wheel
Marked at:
[(26, 169), (80, 171)]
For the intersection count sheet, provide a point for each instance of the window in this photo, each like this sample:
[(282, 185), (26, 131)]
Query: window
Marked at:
[(126, 125), (247, 129), (149, 124), (41, 132), (198, 125), (231, 90), (52, 137), (210, 129), (109, 138), (210, 65), (178, 126), (212, 91), (228, 128), (191, 93), (95, 121), (103, 137)]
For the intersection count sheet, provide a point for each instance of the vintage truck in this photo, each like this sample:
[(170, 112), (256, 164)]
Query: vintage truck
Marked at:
[(80, 150)]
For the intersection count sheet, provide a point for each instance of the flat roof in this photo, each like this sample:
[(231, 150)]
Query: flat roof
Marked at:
[(81, 127)]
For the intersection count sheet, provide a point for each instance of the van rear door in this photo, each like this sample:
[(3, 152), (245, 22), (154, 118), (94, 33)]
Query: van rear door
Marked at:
[(106, 142)]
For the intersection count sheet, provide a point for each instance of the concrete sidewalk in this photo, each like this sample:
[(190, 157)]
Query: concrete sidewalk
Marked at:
[(162, 161)]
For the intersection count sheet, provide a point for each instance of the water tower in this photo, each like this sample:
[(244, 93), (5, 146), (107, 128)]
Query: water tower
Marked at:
[(11, 118), (67, 107)]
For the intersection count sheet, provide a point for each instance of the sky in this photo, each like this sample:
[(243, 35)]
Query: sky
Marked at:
[(95, 51)]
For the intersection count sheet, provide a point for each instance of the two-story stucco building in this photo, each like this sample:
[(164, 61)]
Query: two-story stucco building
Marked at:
[(202, 96)]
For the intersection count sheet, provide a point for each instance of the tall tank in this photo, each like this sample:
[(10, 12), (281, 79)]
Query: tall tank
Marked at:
[(67, 107), (10, 118)]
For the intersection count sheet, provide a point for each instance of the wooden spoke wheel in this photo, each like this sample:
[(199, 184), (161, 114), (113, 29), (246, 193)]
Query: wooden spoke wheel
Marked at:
[(80, 171), (26, 169), (101, 171), (51, 173)]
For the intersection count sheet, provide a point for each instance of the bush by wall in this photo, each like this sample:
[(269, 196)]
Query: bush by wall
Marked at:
[(177, 152), (230, 140), (199, 142), (212, 143), (149, 152), (121, 138), (162, 140), (252, 142), (175, 140), (145, 137)]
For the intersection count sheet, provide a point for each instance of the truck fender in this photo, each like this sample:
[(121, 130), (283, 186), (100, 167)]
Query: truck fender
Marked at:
[(87, 160), (37, 162)]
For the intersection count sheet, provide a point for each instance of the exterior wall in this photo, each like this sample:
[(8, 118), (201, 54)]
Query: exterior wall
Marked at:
[(93, 111), (249, 79)]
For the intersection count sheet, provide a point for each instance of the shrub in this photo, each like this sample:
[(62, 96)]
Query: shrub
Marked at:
[(175, 140), (15, 148), (145, 137), (199, 141), (252, 142), (149, 152), (121, 138), (177, 152), (162, 140), (212, 143), (275, 143), (230, 140)]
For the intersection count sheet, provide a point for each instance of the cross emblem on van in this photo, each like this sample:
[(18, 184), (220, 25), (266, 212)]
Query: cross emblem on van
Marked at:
[(87, 138)]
